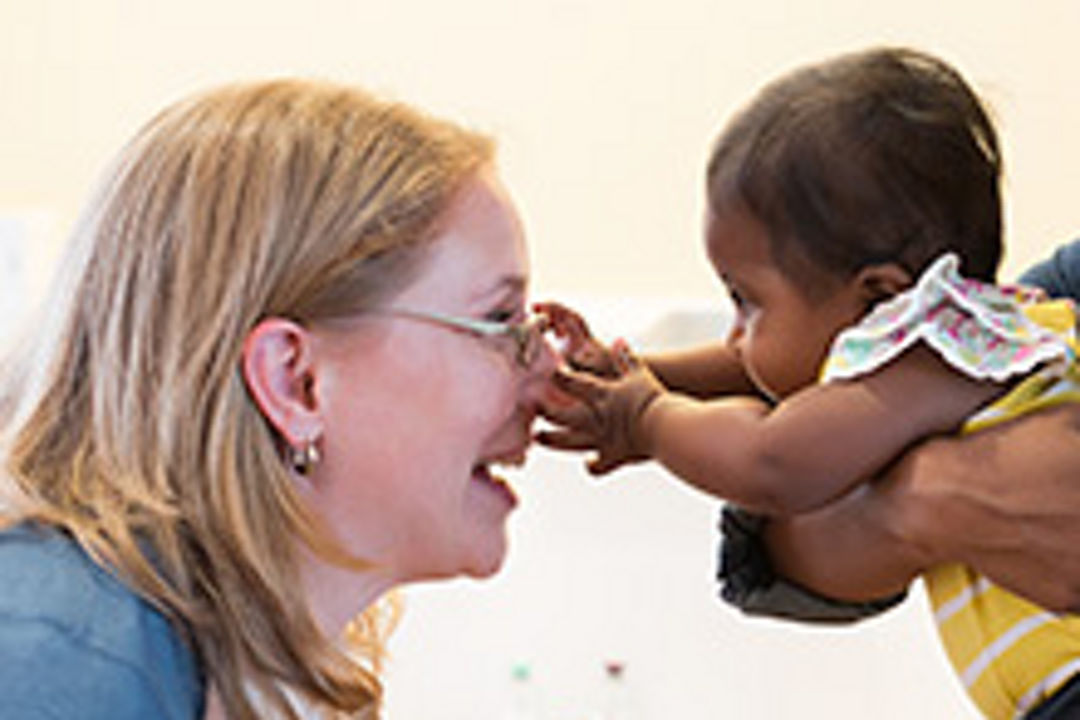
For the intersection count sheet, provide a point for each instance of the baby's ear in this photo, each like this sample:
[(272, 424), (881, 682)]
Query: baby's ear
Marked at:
[(882, 281)]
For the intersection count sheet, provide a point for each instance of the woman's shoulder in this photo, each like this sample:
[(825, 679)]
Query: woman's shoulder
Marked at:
[(72, 633), (45, 573)]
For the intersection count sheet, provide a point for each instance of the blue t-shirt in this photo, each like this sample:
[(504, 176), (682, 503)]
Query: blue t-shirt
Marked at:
[(78, 644), (1058, 275)]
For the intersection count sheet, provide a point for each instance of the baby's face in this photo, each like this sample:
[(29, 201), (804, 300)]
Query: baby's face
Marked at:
[(781, 334)]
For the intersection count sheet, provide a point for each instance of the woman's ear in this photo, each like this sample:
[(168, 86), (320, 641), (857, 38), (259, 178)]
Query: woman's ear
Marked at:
[(278, 370), (881, 282)]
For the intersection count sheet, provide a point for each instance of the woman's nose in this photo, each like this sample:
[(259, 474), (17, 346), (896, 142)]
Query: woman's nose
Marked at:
[(537, 385), (547, 359)]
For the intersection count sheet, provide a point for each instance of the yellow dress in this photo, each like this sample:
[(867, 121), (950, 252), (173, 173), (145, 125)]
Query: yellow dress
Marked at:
[(1010, 654)]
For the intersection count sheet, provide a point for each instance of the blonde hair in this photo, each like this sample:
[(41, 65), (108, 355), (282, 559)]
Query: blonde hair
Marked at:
[(129, 425)]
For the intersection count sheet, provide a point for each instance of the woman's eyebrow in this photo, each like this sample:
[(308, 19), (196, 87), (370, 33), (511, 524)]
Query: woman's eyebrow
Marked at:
[(505, 285)]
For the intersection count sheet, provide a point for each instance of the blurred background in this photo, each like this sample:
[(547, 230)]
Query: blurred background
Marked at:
[(604, 110)]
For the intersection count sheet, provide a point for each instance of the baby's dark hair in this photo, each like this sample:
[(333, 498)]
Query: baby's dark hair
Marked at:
[(885, 155)]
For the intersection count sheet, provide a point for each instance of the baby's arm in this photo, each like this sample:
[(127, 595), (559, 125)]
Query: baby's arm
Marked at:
[(810, 449), (818, 443), (703, 371)]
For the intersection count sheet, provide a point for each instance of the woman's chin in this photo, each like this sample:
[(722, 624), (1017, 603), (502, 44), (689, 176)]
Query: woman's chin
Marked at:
[(488, 560), (478, 565), (482, 572)]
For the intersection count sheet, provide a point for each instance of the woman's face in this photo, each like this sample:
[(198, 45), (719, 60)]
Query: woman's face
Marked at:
[(418, 416)]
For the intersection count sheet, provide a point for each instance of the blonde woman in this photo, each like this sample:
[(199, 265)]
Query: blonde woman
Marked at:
[(288, 350)]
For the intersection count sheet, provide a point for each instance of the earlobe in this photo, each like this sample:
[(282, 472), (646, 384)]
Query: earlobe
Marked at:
[(882, 281), (278, 371)]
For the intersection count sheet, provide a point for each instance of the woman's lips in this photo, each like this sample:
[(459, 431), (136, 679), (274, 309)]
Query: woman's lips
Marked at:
[(483, 474)]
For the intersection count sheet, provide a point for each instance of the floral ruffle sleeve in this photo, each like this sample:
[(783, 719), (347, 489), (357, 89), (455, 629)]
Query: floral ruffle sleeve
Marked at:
[(981, 329)]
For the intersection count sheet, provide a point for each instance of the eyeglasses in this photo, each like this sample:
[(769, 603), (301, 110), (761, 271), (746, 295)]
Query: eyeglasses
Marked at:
[(526, 337)]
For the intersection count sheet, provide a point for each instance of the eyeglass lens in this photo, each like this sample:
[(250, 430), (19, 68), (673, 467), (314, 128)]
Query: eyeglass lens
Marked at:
[(530, 337)]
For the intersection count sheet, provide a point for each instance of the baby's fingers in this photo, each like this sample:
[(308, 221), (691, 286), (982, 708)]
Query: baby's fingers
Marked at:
[(564, 321), (602, 465), (569, 415), (566, 439), (624, 357), (580, 385)]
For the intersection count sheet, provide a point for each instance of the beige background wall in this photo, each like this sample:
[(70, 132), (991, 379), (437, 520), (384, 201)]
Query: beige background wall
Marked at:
[(605, 109)]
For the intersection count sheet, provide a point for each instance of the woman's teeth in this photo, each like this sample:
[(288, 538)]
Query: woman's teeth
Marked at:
[(484, 475), (484, 472)]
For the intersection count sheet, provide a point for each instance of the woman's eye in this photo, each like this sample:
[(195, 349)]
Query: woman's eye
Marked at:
[(503, 315)]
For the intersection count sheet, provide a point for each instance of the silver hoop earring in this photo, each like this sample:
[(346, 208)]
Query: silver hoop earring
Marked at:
[(304, 459)]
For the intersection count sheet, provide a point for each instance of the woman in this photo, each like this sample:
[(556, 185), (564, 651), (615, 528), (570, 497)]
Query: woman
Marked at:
[(290, 349)]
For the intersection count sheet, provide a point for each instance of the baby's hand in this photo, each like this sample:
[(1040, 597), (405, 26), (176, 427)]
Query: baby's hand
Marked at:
[(582, 351), (606, 415)]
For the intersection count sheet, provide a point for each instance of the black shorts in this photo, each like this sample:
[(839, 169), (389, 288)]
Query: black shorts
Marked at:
[(1062, 705)]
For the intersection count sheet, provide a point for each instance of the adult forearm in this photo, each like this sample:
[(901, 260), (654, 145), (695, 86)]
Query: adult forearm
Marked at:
[(1005, 501)]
